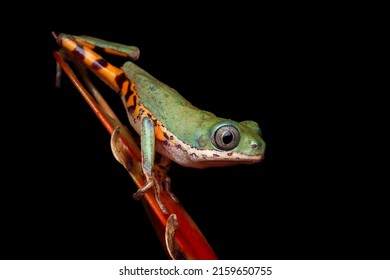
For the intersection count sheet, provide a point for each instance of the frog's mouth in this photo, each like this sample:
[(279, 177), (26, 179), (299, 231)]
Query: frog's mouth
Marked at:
[(215, 160), (229, 161), (188, 156)]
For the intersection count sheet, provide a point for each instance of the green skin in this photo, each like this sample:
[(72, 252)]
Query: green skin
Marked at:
[(193, 137), (192, 126), (189, 124)]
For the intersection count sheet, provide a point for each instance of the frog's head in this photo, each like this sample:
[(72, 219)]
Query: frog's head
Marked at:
[(228, 142)]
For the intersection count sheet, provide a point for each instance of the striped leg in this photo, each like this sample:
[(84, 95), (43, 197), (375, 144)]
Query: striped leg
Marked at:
[(111, 75), (80, 48)]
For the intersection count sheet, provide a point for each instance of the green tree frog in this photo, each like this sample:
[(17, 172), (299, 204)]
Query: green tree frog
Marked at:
[(166, 122)]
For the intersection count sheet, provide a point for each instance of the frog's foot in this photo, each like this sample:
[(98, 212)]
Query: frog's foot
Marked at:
[(160, 173), (152, 183), (167, 188), (161, 183)]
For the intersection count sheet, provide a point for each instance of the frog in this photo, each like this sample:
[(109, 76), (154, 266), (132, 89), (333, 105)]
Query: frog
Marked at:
[(169, 126)]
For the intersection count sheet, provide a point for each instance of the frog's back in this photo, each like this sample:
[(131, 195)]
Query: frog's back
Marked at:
[(164, 102)]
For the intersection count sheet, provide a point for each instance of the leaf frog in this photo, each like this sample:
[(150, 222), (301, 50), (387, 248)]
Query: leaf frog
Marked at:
[(166, 122)]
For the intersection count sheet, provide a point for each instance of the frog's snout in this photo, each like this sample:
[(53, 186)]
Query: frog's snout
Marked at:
[(258, 148)]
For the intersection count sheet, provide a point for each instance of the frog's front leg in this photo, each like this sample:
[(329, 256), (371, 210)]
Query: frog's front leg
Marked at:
[(155, 175)]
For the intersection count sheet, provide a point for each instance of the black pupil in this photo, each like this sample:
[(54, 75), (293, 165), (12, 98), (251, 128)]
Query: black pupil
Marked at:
[(227, 137)]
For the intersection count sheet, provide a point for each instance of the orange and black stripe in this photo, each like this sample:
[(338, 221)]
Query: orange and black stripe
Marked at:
[(111, 75), (114, 77)]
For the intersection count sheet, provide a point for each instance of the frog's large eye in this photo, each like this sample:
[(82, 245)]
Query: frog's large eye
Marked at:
[(226, 137)]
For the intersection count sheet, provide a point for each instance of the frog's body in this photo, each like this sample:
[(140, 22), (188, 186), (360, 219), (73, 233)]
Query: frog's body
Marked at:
[(183, 131), (166, 121)]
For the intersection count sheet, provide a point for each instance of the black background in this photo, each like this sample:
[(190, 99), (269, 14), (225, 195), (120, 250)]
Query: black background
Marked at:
[(315, 196)]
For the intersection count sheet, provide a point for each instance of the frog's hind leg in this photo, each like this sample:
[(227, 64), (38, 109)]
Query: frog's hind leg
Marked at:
[(78, 49), (99, 45)]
